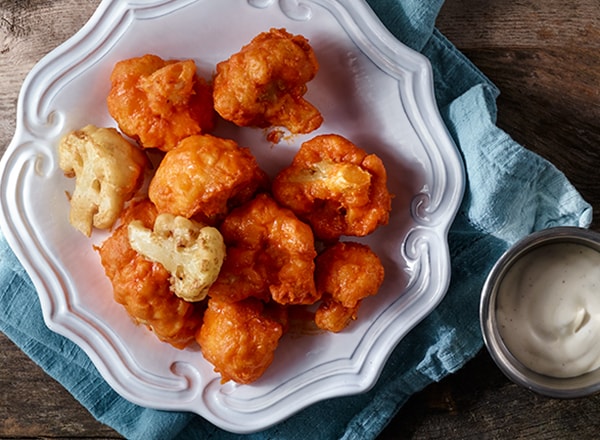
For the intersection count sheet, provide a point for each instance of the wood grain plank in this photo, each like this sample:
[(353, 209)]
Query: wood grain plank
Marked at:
[(520, 23), (559, 123), (549, 81), (32, 404), (478, 402)]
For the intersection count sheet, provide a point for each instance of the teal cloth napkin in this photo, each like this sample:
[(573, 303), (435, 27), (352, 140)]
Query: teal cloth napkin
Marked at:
[(510, 192)]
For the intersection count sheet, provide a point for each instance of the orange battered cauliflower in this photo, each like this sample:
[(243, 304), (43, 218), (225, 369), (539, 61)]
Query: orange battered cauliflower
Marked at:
[(270, 255), (205, 176), (108, 171), (345, 274), (263, 85), (143, 287), (336, 187), (332, 316), (233, 287), (159, 102), (239, 339)]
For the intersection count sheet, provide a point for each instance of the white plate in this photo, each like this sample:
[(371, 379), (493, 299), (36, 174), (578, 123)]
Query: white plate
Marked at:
[(370, 88)]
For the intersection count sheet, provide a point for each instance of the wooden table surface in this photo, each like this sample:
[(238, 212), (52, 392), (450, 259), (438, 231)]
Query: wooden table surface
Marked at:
[(544, 55)]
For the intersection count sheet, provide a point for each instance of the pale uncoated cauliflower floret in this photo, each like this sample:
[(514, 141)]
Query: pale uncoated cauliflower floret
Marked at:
[(108, 171), (190, 251)]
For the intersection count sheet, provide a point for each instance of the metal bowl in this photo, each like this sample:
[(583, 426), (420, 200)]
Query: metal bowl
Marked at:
[(557, 387)]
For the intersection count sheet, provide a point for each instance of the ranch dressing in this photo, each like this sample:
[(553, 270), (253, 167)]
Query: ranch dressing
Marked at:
[(548, 309)]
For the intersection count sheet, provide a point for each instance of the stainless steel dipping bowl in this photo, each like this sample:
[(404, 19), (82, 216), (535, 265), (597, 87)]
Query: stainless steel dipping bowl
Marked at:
[(572, 387)]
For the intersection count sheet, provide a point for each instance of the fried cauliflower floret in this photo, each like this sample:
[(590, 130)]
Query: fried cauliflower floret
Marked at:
[(333, 317), (345, 274), (108, 171), (159, 102), (264, 83), (205, 176), (270, 255), (191, 252), (143, 287), (239, 339), (336, 187)]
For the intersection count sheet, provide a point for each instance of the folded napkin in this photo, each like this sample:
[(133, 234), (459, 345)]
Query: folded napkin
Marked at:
[(510, 192)]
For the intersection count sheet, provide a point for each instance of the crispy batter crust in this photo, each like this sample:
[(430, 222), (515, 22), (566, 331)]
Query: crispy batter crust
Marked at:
[(143, 287), (205, 176), (345, 274), (336, 187), (270, 255), (264, 83), (159, 102), (239, 339)]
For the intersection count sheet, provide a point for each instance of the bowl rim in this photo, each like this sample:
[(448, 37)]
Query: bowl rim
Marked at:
[(564, 388)]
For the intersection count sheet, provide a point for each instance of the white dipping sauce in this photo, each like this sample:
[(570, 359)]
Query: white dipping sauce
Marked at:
[(548, 309)]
